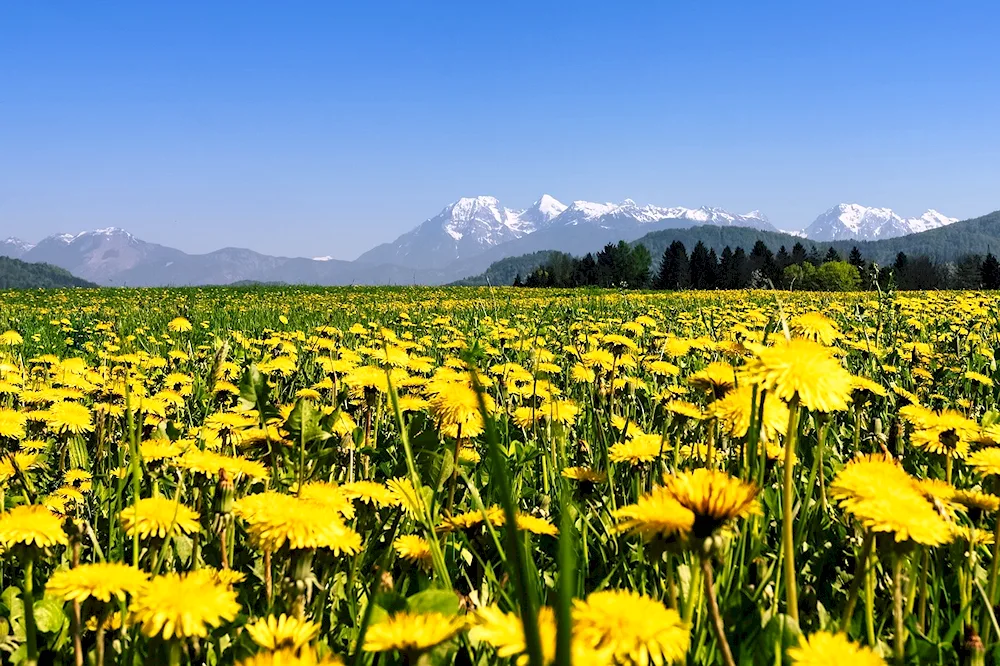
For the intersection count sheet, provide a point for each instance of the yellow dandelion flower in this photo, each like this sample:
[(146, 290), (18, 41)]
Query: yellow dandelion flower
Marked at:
[(714, 498), (804, 369), (815, 326), (298, 523), (735, 410), (12, 423), (635, 629), (684, 408), (303, 657), (470, 519), (585, 475), (183, 605), (412, 632), (370, 492), (717, 376), (978, 500), (159, 517), (985, 461), (413, 548), (21, 461), (282, 632), (162, 449), (884, 498), (69, 417), (179, 325), (456, 407), (100, 581), (407, 495), (948, 433), (640, 449), (31, 525), (826, 649), (330, 495), (505, 632), (656, 515)]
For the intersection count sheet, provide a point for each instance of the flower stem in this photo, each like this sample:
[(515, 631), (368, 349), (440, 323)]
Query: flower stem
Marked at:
[(175, 653), (689, 601), (897, 607), (991, 586), (28, 598), (788, 539), (713, 608), (860, 575), (870, 605)]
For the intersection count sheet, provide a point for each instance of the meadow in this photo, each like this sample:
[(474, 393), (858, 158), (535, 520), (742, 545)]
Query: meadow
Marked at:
[(491, 476)]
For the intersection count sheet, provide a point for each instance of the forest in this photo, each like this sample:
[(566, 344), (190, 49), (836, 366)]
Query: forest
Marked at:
[(628, 266)]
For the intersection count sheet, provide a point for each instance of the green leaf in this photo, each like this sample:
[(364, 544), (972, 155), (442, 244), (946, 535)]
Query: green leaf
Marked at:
[(447, 468), (11, 598), (445, 602), (184, 547), (781, 633), (304, 422), (391, 602), (49, 616), (255, 393)]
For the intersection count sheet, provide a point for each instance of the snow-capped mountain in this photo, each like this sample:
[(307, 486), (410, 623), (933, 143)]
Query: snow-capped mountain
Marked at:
[(96, 255), (464, 228), (462, 240), (14, 247), (629, 211), (857, 222), (474, 225)]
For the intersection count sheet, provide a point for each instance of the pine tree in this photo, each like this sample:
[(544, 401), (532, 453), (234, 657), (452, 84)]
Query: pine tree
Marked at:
[(782, 258), (701, 270), (639, 262), (831, 255), (814, 257), (799, 254), (713, 270), (741, 269), (762, 261), (673, 273), (855, 259), (726, 278), (517, 281), (990, 272)]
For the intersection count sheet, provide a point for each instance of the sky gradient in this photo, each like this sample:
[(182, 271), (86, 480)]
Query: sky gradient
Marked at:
[(311, 129)]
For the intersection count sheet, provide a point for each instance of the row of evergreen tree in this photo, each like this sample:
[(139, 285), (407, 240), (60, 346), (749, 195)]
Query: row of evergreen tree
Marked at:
[(623, 265)]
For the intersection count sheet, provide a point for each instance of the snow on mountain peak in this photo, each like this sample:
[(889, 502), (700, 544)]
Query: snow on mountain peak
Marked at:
[(549, 206), (591, 209), (848, 221)]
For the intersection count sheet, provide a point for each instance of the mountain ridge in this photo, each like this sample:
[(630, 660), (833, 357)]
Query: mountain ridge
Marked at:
[(462, 240)]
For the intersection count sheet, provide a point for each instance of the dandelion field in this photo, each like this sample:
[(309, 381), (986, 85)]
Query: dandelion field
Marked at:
[(474, 476)]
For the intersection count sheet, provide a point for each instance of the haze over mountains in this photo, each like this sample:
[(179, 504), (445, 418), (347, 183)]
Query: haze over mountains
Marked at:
[(462, 240)]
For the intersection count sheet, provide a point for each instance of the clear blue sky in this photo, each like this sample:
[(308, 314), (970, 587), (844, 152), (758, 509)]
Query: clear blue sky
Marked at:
[(322, 128)]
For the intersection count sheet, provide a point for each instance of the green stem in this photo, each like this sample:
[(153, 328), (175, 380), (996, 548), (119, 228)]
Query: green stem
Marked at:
[(175, 653), (788, 541), (897, 608), (859, 577), (713, 608), (689, 602), (28, 598), (991, 587), (870, 604), (517, 558)]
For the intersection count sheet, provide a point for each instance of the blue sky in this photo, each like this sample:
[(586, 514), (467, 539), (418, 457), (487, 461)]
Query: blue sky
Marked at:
[(304, 128)]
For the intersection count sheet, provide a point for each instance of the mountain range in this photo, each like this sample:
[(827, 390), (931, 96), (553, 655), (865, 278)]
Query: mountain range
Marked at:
[(462, 240)]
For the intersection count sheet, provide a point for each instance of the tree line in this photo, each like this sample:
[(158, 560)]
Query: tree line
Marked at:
[(628, 266)]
